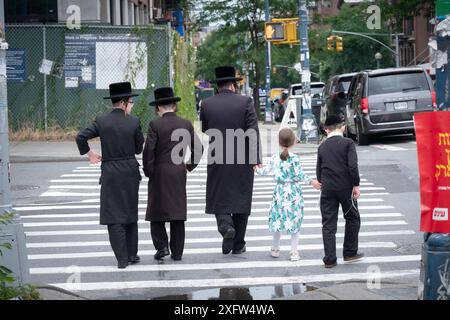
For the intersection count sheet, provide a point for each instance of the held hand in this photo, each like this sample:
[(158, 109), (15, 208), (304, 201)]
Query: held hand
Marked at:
[(258, 166), (316, 184), (94, 158), (356, 193)]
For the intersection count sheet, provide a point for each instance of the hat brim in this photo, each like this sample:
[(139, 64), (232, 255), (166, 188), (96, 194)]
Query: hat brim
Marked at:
[(164, 101), (226, 79), (120, 96)]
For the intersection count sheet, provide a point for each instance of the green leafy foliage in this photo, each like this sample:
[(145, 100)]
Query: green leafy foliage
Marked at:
[(7, 290), (184, 71)]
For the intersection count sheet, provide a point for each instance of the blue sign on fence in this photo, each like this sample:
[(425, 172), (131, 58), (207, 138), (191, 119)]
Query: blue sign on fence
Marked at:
[(15, 65)]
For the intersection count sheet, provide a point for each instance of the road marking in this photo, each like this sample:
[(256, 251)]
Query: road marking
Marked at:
[(193, 220), (144, 206), (141, 214), (198, 283), (255, 200), (34, 245), (389, 147), (202, 229), (268, 193), (100, 254), (222, 265)]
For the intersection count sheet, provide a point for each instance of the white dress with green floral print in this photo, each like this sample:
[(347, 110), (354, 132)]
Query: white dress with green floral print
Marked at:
[(287, 209)]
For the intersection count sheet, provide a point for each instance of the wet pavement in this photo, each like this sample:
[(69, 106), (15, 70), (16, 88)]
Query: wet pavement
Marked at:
[(243, 293)]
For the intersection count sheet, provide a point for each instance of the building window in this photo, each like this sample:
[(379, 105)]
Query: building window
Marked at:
[(29, 11)]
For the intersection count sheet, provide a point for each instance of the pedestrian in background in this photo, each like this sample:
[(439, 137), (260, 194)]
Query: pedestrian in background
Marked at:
[(167, 176), (287, 209), (337, 171), (121, 139), (229, 185)]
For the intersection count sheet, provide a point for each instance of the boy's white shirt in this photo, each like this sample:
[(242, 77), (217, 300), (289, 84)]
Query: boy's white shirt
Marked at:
[(334, 134)]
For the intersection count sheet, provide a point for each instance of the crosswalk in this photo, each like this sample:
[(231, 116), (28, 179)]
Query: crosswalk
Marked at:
[(68, 248)]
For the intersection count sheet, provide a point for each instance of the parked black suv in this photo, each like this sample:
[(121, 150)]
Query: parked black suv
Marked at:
[(385, 100), (335, 96)]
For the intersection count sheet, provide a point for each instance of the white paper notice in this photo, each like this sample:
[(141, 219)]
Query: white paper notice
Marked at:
[(46, 67), (71, 82), (86, 73)]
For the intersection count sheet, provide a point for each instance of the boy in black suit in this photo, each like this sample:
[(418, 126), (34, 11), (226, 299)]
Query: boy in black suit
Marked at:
[(337, 171)]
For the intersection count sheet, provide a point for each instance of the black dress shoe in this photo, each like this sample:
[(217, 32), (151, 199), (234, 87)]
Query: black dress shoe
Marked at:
[(242, 250), (331, 265), (134, 259), (354, 258), (122, 264), (176, 258), (161, 253), (227, 243)]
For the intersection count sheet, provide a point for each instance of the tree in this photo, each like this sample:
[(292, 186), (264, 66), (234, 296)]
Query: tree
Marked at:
[(242, 20), (358, 52), (395, 11)]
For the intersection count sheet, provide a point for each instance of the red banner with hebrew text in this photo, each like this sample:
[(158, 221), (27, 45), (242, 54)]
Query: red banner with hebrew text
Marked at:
[(433, 149)]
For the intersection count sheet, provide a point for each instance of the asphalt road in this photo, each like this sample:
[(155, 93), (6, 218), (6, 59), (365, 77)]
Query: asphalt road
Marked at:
[(58, 203)]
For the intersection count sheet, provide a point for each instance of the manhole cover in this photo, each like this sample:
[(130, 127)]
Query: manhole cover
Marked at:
[(23, 187)]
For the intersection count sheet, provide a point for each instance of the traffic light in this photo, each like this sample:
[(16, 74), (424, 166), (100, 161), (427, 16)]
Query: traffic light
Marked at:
[(339, 45), (330, 43), (275, 31)]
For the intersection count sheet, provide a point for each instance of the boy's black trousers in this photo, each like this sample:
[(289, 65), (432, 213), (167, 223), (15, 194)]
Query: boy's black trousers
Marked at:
[(329, 207)]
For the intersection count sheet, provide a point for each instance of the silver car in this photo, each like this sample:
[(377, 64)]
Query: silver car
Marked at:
[(385, 100)]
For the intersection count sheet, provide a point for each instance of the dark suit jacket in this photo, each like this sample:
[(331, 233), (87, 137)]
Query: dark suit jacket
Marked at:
[(229, 185), (121, 138), (337, 164), (167, 179)]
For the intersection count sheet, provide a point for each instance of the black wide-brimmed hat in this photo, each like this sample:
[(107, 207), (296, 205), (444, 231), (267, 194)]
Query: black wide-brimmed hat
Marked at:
[(333, 119), (120, 90), (164, 96), (225, 73)]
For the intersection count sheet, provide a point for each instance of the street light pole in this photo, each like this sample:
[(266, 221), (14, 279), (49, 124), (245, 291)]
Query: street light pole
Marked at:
[(268, 111), (16, 258), (304, 108)]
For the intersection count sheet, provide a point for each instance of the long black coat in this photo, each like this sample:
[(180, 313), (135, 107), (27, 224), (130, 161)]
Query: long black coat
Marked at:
[(167, 177), (121, 139), (229, 186)]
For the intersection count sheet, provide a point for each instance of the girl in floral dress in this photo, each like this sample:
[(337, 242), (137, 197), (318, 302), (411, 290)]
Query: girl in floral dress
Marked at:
[(287, 209)]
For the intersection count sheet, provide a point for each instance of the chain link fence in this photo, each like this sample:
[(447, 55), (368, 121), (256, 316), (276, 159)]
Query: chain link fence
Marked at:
[(57, 77)]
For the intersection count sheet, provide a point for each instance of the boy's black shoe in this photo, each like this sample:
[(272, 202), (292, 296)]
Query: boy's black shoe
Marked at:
[(354, 258), (161, 253), (242, 250), (227, 243), (122, 264), (332, 265), (176, 258)]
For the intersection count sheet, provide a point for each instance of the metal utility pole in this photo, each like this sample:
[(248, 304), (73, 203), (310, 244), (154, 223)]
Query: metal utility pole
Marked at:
[(268, 110), (16, 258), (304, 108)]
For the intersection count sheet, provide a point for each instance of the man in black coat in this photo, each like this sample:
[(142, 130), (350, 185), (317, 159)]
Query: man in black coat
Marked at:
[(337, 171), (121, 139), (163, 161), (229, 186)]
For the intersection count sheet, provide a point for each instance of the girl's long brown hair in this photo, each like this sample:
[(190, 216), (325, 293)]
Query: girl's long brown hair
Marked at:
[(286, 139)]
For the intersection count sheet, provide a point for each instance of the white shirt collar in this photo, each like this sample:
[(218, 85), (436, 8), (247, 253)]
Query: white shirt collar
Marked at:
[(335, 134)]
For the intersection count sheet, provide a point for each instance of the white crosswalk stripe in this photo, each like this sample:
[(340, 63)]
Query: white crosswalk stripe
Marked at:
[(64, 237)]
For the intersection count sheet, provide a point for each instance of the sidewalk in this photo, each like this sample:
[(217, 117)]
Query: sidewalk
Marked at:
[(61, 151), (344, 291)]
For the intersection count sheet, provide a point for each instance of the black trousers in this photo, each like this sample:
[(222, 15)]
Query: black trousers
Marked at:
[(124, 240), (177, 235), (329, 207), (236, 221)]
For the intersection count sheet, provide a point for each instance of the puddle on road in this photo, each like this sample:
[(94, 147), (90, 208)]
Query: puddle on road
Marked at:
[(243, 293)]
